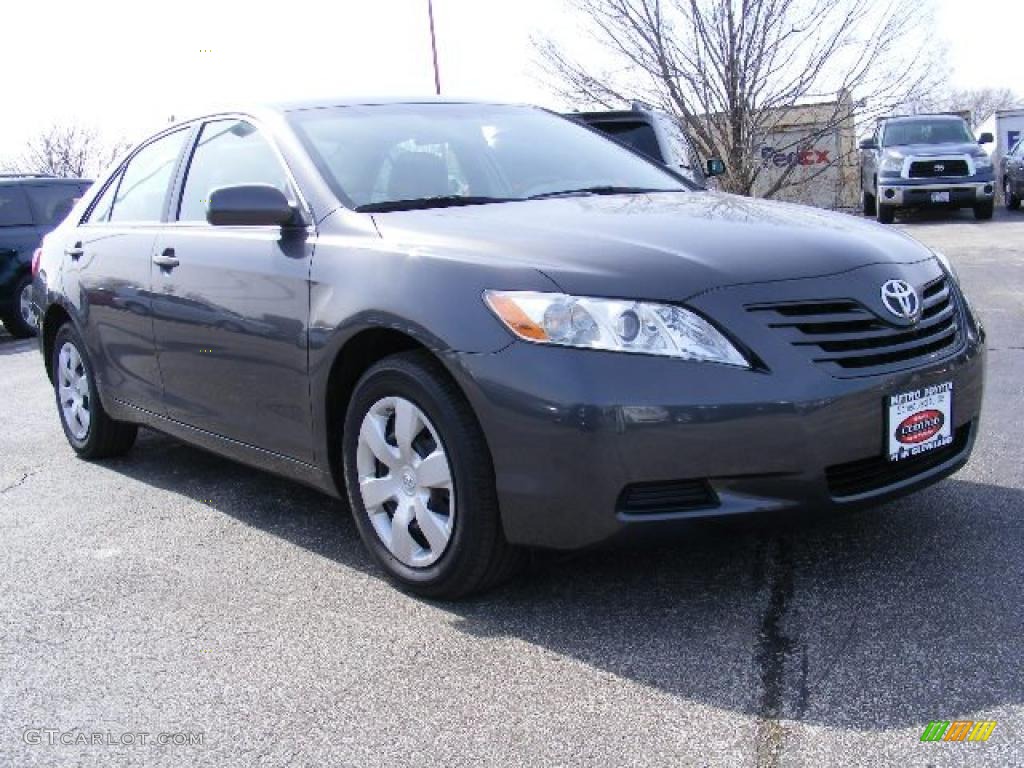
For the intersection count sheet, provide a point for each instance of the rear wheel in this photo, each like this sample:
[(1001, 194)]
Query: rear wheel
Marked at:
[(1012, 201), (420, 481), (20, 321), (984, 211), (88, 428)]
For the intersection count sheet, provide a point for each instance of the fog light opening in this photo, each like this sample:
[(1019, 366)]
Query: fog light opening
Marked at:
[(890, 194)]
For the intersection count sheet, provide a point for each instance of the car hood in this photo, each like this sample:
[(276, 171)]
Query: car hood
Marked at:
[(934, 150), (667, 246)]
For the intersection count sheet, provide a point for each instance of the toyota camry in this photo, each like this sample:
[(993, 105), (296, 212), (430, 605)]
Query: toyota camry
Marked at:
[(492, 329)]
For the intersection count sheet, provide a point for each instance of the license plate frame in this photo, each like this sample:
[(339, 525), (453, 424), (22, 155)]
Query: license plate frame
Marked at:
[(918, 421)]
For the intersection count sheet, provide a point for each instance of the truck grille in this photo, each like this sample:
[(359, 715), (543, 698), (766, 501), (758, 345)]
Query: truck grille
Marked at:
[(930, 169), (877, 472), (849, 340)]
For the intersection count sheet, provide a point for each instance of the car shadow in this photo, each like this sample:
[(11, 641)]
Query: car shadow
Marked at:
[(12, 346), (876, 620)]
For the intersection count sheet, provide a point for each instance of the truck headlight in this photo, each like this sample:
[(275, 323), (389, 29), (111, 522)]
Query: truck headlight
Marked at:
[(891, 164), (983, 163), (612, 324)]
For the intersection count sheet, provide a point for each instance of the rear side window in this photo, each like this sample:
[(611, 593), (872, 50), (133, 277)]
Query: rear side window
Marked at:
[(14, 211), (51, 203), (101, 207), (143, 189), (228, 152)]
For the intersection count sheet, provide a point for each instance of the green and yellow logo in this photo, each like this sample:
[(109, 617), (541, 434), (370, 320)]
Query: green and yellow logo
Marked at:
[(958, 730)]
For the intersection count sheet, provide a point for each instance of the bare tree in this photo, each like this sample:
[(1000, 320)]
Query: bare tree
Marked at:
[(983, 102), (734, 71), (68, 151)]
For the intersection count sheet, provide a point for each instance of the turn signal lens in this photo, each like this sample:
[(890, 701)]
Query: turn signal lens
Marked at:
[(36, 256)]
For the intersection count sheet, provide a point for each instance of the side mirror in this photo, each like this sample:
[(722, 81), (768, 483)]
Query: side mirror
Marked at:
[(986, 138), (869, 144), (715, 167), (249, 205)]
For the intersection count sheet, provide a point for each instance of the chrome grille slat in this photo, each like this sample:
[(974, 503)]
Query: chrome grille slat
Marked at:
[(848, 339)]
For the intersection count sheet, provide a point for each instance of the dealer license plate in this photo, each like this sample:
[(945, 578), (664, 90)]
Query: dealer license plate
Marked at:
[(919, 421), (940, 197)]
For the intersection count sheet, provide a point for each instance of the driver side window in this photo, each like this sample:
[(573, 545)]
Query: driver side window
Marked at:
[(228, 152)]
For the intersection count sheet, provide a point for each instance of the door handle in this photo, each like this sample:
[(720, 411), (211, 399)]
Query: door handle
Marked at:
[(74, 252), (166, 259)]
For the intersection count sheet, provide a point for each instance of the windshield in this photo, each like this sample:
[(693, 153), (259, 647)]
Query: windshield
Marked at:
[(378, 156), (927, 132)]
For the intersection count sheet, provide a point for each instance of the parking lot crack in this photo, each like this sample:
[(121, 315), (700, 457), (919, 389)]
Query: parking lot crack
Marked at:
[(773, 649), (17, 483)]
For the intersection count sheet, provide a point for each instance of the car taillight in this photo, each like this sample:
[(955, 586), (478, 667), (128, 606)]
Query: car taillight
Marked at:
[(35, 261)]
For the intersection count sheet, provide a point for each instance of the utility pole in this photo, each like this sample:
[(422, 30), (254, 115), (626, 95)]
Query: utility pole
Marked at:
[(433, 47)]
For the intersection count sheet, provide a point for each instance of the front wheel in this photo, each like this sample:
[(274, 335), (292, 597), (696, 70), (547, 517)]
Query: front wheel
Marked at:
[(20, 321), (420, 480), (885, 214), (88, 428), (868, 203), (984, 211)]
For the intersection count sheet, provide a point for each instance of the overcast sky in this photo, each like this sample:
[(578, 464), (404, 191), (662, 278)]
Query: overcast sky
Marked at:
[(124, 67)]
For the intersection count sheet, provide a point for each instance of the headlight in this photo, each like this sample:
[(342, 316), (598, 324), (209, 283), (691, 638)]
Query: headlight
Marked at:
[(947, 265), (891, 164), (611, 324), (982, 163)]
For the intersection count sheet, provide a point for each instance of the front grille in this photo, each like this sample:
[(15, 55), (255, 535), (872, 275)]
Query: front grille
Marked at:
[(930, 169), (850, 340), (877, 472), (664, 497)]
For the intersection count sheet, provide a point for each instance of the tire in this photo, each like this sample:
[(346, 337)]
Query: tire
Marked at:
[(1012, 201), (475, 555), (868, 203), (97, 436), (885, 214), (984, 211), (19, 321)]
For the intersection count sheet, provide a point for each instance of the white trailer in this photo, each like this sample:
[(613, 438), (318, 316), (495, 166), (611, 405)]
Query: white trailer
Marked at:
[(1007, 125)]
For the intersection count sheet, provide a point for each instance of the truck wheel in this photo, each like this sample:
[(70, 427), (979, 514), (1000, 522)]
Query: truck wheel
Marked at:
[(984, 211), (20, 322), (868, 203), (1012, 201), (885, 214)]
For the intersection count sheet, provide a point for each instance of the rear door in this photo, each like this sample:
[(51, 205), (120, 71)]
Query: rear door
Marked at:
[(107, 271), (230, 317)]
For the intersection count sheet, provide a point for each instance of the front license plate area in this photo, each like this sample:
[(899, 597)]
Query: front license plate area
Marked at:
[(919, 421), (940, 197)]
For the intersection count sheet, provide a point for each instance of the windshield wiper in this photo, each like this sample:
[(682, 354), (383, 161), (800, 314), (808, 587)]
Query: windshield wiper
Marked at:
[(419, 203), (606, 189)]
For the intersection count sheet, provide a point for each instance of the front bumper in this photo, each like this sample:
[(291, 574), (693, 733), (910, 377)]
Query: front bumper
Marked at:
[(918, 192), (569, 430)]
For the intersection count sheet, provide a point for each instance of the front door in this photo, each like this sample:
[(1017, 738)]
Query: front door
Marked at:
[(231, 304)]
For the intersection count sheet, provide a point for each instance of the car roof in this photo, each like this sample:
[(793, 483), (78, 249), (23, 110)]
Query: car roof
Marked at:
[(39, 178), (923, 118)]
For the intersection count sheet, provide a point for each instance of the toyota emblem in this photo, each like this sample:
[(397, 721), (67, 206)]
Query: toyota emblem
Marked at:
[(900, 298), (939, 167)]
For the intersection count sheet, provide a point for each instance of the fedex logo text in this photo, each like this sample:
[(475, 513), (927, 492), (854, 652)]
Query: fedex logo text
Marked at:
[(772, 156)]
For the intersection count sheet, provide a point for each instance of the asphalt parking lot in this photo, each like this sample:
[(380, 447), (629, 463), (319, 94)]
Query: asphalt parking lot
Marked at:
[(174, 592)]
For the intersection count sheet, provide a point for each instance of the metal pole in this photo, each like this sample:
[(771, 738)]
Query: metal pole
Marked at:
[(433, 47)]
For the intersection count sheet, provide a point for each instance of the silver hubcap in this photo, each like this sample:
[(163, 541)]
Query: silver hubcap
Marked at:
[(405, 482), (73, 391), (25, 305)]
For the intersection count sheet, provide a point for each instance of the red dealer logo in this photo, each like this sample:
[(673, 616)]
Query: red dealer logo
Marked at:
[(920, 426)]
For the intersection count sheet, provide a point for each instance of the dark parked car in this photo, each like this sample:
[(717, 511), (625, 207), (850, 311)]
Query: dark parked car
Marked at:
[(30, 206), (925, 161), (1011, 171), (495, 329)]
